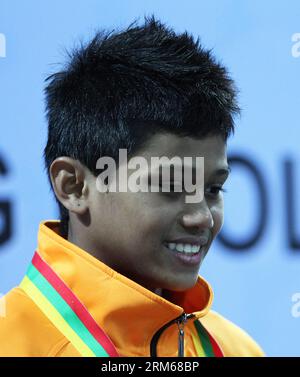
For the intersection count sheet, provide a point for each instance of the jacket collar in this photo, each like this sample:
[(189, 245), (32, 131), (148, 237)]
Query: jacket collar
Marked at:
[(129, 313)]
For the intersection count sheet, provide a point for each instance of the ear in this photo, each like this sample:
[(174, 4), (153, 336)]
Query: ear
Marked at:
[(69, 184)]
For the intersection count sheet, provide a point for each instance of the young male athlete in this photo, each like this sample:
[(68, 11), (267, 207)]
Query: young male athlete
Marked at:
[(118, 274)]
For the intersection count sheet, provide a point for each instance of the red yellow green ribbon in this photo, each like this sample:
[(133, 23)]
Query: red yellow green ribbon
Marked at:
[(65, 311)]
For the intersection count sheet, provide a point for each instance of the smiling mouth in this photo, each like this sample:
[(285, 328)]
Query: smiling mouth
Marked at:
[(185, 248), (186, 254)]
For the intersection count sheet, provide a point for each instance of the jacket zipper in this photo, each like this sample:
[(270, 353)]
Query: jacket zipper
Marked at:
[(181, 321)]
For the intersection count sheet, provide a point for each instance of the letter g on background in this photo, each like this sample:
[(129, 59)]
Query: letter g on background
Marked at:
[(5, 210)]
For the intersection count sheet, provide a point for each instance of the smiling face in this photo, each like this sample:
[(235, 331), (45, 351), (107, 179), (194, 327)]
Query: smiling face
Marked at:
[(134, 233)]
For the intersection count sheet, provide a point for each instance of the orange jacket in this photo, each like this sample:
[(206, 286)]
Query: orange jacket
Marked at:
[(71, 304)]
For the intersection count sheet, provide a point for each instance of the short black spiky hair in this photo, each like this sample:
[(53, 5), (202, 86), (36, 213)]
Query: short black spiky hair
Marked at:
[(121, 87)]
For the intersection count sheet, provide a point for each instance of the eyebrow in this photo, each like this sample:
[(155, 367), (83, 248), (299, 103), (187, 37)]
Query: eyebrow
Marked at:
[(218, 172), (223, 171)]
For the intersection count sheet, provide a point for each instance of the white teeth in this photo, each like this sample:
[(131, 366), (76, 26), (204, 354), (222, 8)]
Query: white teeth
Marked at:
[(171, 246), (195, 248), (179, 247), (186, 248)]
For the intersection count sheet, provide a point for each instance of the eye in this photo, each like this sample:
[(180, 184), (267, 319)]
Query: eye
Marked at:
[(214, 191)]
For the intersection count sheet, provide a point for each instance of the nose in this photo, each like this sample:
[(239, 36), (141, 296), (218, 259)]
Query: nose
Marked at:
[(199, 217)]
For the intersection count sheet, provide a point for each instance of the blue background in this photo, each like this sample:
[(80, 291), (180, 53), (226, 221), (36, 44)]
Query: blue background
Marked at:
[(253, 287)]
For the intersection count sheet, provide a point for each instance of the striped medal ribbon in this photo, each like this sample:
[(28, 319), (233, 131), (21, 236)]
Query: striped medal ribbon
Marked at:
[(205, 344), (65, 311)]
